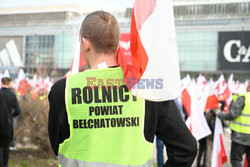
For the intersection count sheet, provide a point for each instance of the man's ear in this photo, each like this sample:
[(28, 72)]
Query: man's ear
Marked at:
[(86, 44)]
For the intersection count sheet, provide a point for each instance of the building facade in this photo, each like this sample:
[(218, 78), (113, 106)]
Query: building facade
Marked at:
[(204, 29), (213, 36), (45, 37)]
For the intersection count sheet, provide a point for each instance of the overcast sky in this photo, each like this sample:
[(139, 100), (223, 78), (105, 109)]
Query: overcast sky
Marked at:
[(95, 4)]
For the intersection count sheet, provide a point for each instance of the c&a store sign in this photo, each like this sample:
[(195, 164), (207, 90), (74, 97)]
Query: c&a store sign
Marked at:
[(234, 51)]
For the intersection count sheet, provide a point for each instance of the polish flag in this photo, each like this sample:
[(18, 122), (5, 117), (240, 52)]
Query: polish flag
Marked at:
[(227, 97), (196, 122), (186, 101), (154, 70), (219, 155), (185, 82), (78, 62), (245, 162), (47, 84), (220, 85), (211, 100), (201, 83), (185, 96), (227, 94), (22, 84), (242, 88), (124, 58), (125, 45), (231, 83)]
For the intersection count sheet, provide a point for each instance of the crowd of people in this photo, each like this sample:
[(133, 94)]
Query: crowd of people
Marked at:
[(237, 113), (235, 119), (92, 126)]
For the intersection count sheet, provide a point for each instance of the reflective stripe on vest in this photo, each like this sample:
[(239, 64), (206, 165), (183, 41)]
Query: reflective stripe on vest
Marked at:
[(106, 121), (64, 162), (246, 115), (242, 123), (238, 123)]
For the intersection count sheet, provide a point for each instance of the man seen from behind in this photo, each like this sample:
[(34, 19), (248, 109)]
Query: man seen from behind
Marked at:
[(13, 109), (239, 114), (95, 121)]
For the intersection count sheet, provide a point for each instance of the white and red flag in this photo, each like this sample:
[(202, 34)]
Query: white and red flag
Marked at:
[(124, 58), (226, 95), (76, 59), (185, 82), (154, 70), (22, 85), (241, 88), (219, 155), (245, 161), (201, 83), (220, 85), (78, 62), (196, 122), (231, 83), (125, 46), (211, 100)]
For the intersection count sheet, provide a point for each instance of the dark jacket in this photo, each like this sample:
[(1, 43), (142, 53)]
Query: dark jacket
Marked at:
[(161, 119), (11, 104), (234, 111), (4, 122)]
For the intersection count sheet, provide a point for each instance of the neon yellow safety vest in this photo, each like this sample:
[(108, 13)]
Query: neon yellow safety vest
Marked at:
[(242, 123), (106, 122)]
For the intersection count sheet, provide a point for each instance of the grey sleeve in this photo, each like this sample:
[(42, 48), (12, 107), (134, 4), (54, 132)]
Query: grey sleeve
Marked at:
[(234, 110)]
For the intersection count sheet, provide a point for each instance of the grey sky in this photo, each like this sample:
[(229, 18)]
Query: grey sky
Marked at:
[(113, 5)]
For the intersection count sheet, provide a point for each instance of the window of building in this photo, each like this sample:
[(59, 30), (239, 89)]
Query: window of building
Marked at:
[(243, 8), (64, 50), (223, 8), (39, 52), (197, 50)]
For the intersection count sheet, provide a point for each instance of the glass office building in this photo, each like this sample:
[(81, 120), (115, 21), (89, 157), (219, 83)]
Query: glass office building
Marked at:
[(48, 35), (200, 29), (49, 51), (203, 28), (197, 50)]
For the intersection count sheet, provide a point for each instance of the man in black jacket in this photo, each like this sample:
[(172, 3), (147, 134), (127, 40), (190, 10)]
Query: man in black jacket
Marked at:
[(4, 126), (161, 118), (11, 102)]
